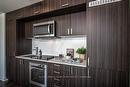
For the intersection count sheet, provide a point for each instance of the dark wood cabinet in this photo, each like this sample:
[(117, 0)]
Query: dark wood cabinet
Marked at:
[(107, 78), (108, 44), (69, 76), (10, 46), (28, 30), (69, 3), (50, 75), (45, 6), (77, 2), (18, 14), (107, 37), (28, 11), (64, 3), (71, 24), (37, 8), (22, 73), (78, 24), (11, 68), (63, 25), (54, 5)]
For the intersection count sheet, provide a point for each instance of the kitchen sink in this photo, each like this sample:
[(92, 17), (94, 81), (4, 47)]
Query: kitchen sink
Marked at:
[(43, 57), (31, 56)]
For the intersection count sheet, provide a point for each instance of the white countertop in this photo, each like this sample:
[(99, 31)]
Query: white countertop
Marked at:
[(55, 60)]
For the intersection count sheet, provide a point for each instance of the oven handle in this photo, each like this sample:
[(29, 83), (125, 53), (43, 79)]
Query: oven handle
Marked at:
[(37, 68)]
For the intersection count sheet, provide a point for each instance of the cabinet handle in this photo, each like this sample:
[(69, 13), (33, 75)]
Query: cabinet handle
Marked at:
[(56, 65), (64, 5), (20, 62), (68, 31), (36, 12), (88, 73), (71, 70), (56, 79), (88, 61), (56, 72), (71, 31)]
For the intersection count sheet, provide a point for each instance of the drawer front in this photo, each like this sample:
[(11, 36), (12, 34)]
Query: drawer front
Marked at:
[(57, 67)]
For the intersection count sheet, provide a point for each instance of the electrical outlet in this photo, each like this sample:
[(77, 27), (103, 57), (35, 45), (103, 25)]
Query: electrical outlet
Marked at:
[(101, 2)]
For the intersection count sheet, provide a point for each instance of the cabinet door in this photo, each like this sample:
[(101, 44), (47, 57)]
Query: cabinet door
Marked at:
[(37, 8), (78, 23), (77, 2), (105, 46), (63, 25), (65, 3), (45, 6), (26, 73), (28, 11), (78, 76), (11, 37), (50, 75), (11, 68), (67, 75), (10, 47), (20, 71), (52, 5), (28, 30), (19, 13)]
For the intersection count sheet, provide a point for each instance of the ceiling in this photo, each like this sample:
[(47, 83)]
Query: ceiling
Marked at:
[(10, 5)]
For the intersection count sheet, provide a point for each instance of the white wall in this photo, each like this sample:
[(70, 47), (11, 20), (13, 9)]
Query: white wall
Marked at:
[(2, 47), (58, 46)]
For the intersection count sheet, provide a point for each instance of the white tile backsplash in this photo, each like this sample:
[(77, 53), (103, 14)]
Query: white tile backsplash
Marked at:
[(58, 46)]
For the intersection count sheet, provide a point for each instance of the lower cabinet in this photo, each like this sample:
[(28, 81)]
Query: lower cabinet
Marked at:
[(22, 73), (107, 78), (69, 76), (58, 75)]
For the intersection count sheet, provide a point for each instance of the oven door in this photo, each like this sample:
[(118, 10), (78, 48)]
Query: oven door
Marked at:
[(38, 74)]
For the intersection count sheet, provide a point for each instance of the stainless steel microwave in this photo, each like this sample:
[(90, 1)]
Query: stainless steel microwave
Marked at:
[(44, 29)]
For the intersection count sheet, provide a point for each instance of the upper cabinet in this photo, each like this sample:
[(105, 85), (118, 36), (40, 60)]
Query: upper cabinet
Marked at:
[(72, 24), (68, 3), (64, 3), (37, 8), (63, 25), (78, 23), (77, 2), (46, 6), (19, 13), (28, 30)]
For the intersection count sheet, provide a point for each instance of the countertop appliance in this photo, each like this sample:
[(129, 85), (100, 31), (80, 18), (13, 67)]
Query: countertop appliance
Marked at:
[(44, 29), (38, 74)]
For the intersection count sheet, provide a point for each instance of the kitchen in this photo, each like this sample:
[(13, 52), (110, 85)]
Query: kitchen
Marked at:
[(67, 43)]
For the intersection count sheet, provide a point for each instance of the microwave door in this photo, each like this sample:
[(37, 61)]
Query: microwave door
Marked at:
[(41, 30)]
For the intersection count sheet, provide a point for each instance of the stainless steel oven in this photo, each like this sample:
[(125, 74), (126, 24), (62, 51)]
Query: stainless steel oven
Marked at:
[(38, 74)]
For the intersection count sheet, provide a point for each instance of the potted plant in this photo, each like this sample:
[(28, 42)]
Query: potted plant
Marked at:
[(81, 52)]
